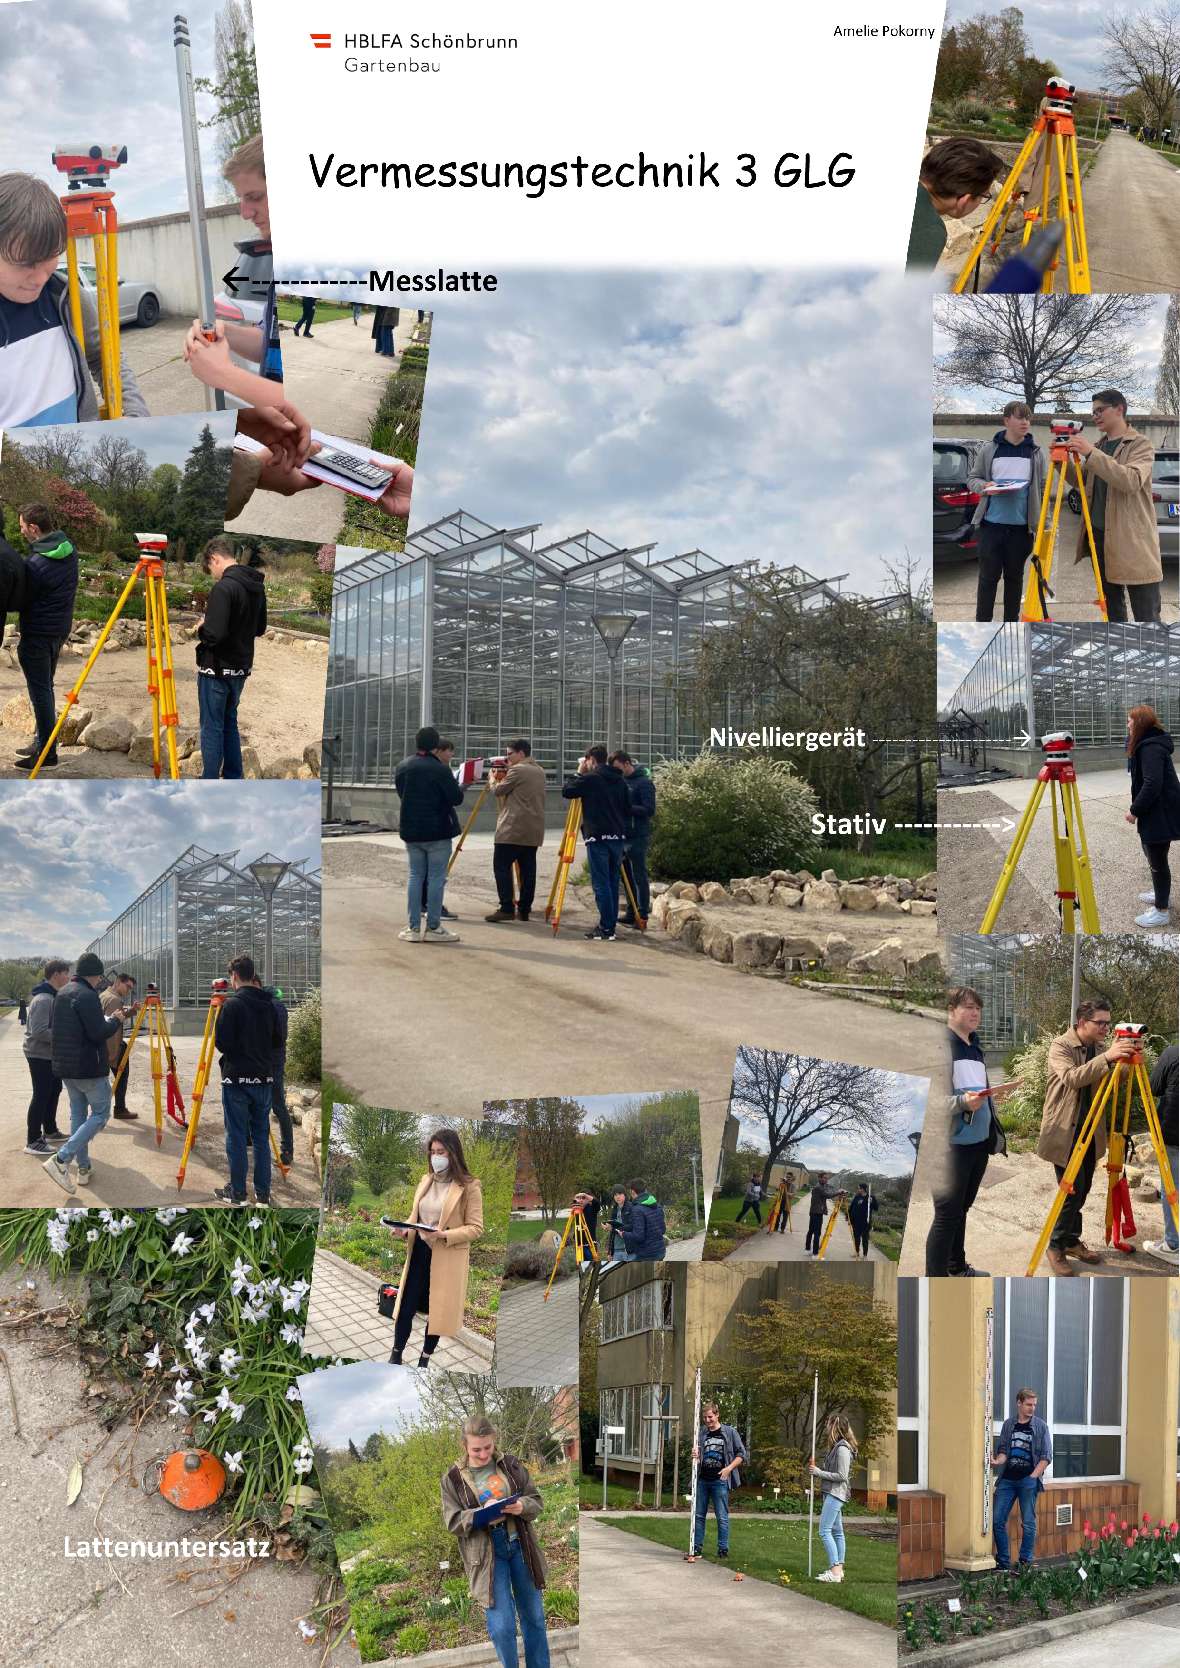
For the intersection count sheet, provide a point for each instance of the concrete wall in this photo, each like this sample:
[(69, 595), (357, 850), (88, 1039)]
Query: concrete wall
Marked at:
[(1026, 761), (159, 251), (380, 805), (977, 427)]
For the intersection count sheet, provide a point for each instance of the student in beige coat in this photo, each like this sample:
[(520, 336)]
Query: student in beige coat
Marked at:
[(1118, 489), (520, 830), (448, 1208)]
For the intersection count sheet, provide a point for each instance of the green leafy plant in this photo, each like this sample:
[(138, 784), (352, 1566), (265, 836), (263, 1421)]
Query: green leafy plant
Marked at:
[(721, 817)]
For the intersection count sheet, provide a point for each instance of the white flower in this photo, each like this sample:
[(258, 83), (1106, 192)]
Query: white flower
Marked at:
[(240, 1275), (302, 1464), (256, 1222), (228, 1359), (306, 1629), (167, 1214), (199, 1357), (233, 1462), (59, 1238), (127, 1222), (183, 1244), (206, 1311), (178, 1408), (235, 1410), (290, 1334), (209, 1418), (184, 1390), (152, 1358), (293, 1393), (224, 1399), (92, 1234)]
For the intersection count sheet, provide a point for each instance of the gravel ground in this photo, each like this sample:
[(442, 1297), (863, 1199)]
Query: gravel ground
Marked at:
[(969, 861)]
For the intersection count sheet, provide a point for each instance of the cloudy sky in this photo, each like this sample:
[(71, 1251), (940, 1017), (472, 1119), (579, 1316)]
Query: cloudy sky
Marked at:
[(160, 439), (844, 1151), (778, 418), (1145, 358), (1069, 36), (104, 72), (73, 855), (353, 1401), (959, 647)]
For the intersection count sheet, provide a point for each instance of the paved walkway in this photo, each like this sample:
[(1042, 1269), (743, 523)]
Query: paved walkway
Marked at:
[(337, 381), (342, 1319), (790, 1247), (563, 1653), (1132, 203), (128, 1167), (1151, 1641), (686, 1250), (537, 1342), (644, 1607)]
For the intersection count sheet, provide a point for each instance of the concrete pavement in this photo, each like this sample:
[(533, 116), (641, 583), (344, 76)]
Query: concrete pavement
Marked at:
[(337, 381), (644, 1607), (342, 1320), (124, 1612), (128, 1167), (970, 859), (1132, 202), (790, 1247), (1150, 1641), (156, 358), (543, 1015), (537, 1342)]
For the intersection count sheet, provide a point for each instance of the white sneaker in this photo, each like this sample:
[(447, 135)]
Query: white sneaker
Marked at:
[(439, 935), (82, 1177), (1153, 918), (1161, 1249), (60, 1173), (1147, 897), (827, 1575), (410, 935)]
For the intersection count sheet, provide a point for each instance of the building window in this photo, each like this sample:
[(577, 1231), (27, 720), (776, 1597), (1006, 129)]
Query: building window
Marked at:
[(1069, 1344), (646, 1308), (639, 1409), (912, 1380)]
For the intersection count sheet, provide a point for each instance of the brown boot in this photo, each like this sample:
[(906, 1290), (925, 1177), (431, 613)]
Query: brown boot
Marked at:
[(1083, 1253), (126, 1117), (1059, 1263)]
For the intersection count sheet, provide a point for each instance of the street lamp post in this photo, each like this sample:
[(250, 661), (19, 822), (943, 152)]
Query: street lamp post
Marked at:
[(268, 870), (612, 628)]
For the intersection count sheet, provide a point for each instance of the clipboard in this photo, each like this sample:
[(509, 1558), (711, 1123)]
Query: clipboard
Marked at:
[(418, 1227), (493, 1510)]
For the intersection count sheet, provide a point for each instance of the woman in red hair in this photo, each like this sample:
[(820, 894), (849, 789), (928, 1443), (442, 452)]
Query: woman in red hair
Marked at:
[(1155, 807)]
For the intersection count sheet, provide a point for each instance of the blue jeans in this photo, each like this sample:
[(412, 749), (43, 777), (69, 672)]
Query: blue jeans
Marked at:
[(831, 1529), (428, 862), (606, 861), (636, 864), (246, 1107), (1008, 1489), (221, 745), (385, 341), (37, 656), (511, 1580), (90, 1111), (1171, 1240), (715, 1494)]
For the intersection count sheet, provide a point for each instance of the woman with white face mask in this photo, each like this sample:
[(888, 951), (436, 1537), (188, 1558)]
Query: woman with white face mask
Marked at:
[(448, 1215)]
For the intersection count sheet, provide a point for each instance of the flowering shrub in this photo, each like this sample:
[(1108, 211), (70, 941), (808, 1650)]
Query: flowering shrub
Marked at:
[(718, 817)]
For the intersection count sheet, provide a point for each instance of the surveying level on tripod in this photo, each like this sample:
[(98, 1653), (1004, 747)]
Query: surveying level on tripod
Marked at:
[(166, 1095), (161, 681), (1038, 591), (1051, 153), (585, 1250), (1075, 883), (1110, 1110), (841, 1209), (89, 205)]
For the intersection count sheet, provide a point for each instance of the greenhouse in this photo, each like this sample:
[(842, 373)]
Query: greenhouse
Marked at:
[(207, 907), (1080, 678), (491, 633)]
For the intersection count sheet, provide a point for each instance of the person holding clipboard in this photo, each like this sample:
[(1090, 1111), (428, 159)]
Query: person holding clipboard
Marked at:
[(489, 1502), (444, 1219)]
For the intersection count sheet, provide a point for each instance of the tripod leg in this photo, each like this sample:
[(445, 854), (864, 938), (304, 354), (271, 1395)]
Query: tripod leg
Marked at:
[(204, 1066), (1082, 253), (74, 288), (1065, 1186), (172, 1082), (157, 1075), (1038, 591), (274, 1148), (1050, 274), (1167, 1179), (1064, 212), (565, 1234), (72, 695), (1099, 590), (1007, 190), (483, 793), (1063, 858), (556, 886), (642, 919), (1083, 875), (112, 389), (1116, 1155), (169, 712), (152, 641), (1019, 841), (128, 1046)]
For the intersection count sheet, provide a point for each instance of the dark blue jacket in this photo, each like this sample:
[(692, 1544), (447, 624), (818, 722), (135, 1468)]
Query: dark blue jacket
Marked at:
[(80, 1032), (644, 1234), (51, 574), (1165, 1086), (428, 792), (247, 1036), (606, 805), (860, 1213), (1155, 790), (641, 791)]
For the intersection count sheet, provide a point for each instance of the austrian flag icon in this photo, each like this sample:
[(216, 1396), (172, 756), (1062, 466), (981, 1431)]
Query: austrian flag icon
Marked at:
[(320, 41)]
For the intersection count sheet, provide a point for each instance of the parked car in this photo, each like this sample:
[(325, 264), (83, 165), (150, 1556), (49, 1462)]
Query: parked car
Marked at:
[(955, 539), (138, 303), (1165, 495)]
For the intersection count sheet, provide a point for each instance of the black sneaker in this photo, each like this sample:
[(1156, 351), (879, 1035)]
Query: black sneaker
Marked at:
[(225, 1196), (29, 760), (39, 1149), (54, 1137), (260, 1199), (722, 1554), (597, 932), (448, 914), (31, 753), (968, 1273)]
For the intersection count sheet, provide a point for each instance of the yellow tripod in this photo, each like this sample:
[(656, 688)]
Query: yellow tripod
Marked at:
[(1053, 141), (585, 1249), (1075, 883), (217, 997), (566, 852), (163, 1061), (782, 1203), (1040, 566), (161, 682), (840, 1210), (1125, 1075), (91, 213)]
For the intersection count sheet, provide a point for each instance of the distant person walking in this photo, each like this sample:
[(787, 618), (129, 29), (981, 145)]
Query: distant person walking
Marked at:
[(306, 316), (22, 1012), (817, 1210), (1154, 811), (753, 1199)]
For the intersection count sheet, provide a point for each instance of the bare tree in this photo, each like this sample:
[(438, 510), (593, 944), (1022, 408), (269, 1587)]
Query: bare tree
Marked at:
[(1167, 383), (791, 1096), (1051, 350), (114, 466), (551, 1139), (1142, 57)]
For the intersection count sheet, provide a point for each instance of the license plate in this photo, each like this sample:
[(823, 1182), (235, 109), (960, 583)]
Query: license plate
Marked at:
[(1174, 509)]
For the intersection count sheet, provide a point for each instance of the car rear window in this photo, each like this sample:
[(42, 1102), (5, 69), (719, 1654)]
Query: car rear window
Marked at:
[(950, 464)]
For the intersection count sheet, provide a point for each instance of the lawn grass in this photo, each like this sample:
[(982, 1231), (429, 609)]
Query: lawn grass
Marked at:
[(521, 1231), (291, 310), (906, 862), (765, 1551)]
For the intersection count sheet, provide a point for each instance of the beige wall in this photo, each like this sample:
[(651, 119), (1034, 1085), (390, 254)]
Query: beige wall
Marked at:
[(977, 427), (159, 252)]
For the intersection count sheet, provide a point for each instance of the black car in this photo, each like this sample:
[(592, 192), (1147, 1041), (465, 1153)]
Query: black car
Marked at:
[(955, 539)]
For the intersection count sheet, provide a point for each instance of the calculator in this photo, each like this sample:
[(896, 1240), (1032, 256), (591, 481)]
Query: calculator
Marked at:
[(351, 466)]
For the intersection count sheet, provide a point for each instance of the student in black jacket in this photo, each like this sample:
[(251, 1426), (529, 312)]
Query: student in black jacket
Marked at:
[(235, 615), (606, 812), (79, 1058), (246, 1036), (429, 794), (1155, 807), (278, 1088), (46, 616), (13, 581)]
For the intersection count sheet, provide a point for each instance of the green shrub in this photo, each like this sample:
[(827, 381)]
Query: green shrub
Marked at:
[(718, 817), (969, 112), (1021, 1113), (303, 1040), (373, 1572), (320, 588)]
